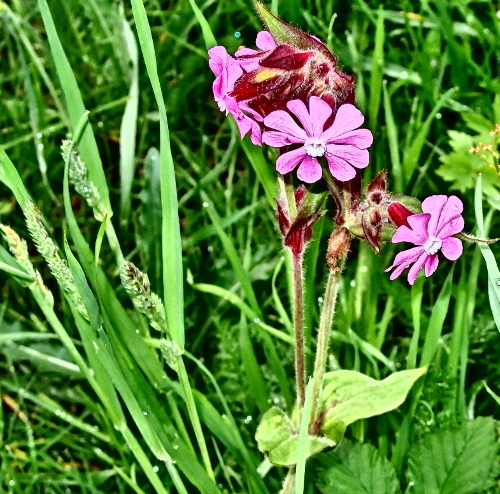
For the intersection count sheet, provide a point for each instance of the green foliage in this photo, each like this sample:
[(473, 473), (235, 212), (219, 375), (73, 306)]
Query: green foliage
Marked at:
[(349, 396), (278, 438), (354, 467), (90, 404), (458, 460), (463, 166)]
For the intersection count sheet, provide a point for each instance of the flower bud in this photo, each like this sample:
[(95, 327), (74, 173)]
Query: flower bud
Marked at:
[(338, 247), (297, 230), (298, 66)]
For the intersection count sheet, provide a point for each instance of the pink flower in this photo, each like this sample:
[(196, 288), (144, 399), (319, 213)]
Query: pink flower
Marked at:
[(431, 232), (342, 144), (248, 58), (227, 71)]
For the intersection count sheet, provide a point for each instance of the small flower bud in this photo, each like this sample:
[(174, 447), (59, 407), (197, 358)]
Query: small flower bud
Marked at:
[(398, 214), (376, 192), (338, 247)]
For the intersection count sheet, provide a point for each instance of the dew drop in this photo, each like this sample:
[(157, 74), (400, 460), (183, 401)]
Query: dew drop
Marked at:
[(39, 135), (205, 204), (439, 116), (144, 413), (237, 34), (220, 486), (156, 468), (352, 283), (12, 482), (257, 320), (320, 300), (248, 419), (39, 147), (176, 446), (498, 282)]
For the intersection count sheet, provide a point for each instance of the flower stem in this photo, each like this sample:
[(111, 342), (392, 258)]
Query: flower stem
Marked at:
[(325, 324), (298, 325)]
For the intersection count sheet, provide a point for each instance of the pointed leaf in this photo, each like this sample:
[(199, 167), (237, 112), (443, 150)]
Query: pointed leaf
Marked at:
[(349, 396)]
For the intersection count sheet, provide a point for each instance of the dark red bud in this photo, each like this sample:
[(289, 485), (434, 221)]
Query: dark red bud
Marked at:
[(283, 221), (300, 193), (298, 235), (372, 224), (398, 214), (377, 189), (286, 58)]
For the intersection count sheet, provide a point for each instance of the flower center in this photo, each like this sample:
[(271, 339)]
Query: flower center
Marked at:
[(432, 245), (315, 147)]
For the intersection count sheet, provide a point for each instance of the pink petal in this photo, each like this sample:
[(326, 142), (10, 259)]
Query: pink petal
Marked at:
[(313, 120), (247, 124), (434, 205), (309, 170), (419, 264), (403, 260), (339, 168), (265, 41), (431, 264), (245, 52), (406, 257), (452, 248), (358, 158), (446, 215), (417, 233), (348, 118), (283, 122), (450, 228), (299, 109), (278, 139), (288, 161), (361, 138), (226, 69)]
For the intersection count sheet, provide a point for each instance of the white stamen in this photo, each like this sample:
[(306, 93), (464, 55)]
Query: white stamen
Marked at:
[(432, 245), (315, 147)]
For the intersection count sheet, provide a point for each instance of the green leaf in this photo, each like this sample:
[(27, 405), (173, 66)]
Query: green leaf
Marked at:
[(462, 168), (354, 467), (349, 396), (274, 428), (278, 437), (462, 460)]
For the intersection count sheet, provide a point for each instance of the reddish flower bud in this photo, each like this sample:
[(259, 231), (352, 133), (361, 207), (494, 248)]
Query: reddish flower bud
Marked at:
[(297, 230), (398, 214), (376, 192), (297, 67)]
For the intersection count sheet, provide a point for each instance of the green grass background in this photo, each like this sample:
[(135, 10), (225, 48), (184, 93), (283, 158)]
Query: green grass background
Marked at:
[(422, 69)]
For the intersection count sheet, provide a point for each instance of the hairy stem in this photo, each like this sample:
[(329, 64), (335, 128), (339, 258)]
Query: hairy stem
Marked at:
[(325, 324), (298, 325), (289, 484)]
